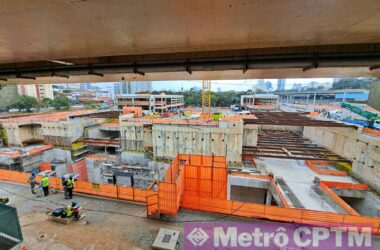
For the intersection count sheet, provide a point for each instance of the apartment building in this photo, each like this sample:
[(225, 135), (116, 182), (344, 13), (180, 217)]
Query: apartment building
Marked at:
[(38, 91)]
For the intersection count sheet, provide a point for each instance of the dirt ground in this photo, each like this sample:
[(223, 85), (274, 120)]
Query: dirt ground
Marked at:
[(108, 224)]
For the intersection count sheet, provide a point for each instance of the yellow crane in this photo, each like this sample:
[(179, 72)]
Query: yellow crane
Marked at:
[(206, 99)]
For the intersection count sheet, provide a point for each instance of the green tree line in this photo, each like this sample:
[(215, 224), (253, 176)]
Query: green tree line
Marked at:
[(28, 103)]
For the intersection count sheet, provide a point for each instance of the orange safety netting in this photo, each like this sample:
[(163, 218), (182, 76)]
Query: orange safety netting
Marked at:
[(136, 110), (203, 187), (79, 168), (45, 166), (104, 190), (204, 176), (317, 170), (251, 210)]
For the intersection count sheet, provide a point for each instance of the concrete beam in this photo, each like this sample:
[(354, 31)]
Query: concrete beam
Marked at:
[(350, 193), (248, 182), (56, 29)]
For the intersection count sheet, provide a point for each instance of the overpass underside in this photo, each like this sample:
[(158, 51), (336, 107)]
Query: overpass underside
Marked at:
[(97, 41), (355, 60)]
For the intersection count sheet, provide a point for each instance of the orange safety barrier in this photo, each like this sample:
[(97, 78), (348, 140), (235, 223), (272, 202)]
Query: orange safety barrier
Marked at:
[(344, 185), (253, 176), (314, 114), (45, 166), (136, 110), (267, 178), (11, 155), (170, 189), (46, 116), (199, 195), (311, 165), (338, 200), (79, 168), (371, 131), (186, 122), (38, 150), (279, 193), (104, 190), (250, 210)]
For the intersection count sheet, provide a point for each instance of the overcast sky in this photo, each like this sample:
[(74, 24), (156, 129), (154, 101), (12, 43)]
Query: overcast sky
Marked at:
[(224, 85), (237, 85)]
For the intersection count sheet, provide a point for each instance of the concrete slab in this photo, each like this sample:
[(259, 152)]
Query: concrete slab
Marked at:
[(166, 239), (299, 178)]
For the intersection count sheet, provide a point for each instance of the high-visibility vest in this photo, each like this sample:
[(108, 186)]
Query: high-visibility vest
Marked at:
[(69, 211), (70, 183), (45, 181)]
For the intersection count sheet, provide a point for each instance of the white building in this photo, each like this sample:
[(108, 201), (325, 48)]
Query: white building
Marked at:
[(38, 91), (259, 102), (153, 103)]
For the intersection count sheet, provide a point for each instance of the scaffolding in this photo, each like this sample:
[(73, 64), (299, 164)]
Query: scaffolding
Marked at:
[(206, 100)]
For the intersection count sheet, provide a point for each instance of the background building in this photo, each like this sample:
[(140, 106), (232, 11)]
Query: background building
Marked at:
[(38, 91), (264, 85), (281, 84), (297, 86), (153, 103), (136, 87)]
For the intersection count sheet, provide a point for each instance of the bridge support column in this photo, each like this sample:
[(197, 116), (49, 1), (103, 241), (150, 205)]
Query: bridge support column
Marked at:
[(374, 94)]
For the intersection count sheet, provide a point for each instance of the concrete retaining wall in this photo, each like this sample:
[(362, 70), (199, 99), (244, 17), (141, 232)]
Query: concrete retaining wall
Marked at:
[(363, 150), (135, 136), (169, 140), (250, 135)]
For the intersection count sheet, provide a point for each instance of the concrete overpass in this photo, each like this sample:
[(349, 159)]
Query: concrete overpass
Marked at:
[(199, 39), (327, 95)]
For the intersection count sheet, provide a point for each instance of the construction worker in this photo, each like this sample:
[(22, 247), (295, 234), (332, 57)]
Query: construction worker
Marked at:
[(64, 183), (72, 209), (45, 184), (32, 181), (70, 186)]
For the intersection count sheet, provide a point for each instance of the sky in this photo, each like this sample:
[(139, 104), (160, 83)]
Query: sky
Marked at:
[(222, 85), (237, 85)]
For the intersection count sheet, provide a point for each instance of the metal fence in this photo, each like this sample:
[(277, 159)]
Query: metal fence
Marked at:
[(10, 229)]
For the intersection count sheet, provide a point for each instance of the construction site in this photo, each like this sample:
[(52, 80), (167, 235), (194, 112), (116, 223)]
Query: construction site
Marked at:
[(276, 165), (133, 169)]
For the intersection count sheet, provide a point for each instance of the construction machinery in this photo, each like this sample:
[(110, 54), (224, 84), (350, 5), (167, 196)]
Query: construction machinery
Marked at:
[(372, 118)]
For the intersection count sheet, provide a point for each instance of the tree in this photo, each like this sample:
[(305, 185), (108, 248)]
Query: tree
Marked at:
[(352, 83), (26, 102), (90, 105), (61, 102), (47, 102)]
